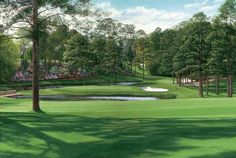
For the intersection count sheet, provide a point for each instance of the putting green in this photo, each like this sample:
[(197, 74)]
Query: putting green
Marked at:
[(124, 90)]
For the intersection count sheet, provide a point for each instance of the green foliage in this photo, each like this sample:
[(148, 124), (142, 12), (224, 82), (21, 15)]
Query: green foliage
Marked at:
[(112, 55), (196, 45), (57, 41), (98, 46), (77, 55), (9, 55), (162, 44), (216, 62)]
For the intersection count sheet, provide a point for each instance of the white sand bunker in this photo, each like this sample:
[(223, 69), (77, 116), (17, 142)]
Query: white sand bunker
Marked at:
[(149, 89)]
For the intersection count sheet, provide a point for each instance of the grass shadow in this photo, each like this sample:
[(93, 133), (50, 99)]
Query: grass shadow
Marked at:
[(30, 135)]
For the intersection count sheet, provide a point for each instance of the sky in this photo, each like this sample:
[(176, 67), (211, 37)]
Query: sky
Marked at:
[(150, 14)]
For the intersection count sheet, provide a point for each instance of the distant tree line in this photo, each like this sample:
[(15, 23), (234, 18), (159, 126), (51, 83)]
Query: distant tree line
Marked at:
[(111, 48), (198, 49)]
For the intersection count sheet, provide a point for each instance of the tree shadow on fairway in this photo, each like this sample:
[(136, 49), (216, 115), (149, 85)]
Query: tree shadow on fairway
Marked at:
[(67, 136), (231, 154)]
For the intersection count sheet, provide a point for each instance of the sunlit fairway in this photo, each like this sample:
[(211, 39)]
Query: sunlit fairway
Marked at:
[(176, 128)]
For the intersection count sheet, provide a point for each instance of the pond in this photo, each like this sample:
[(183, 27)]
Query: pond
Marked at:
[(44, 87), (78, 98), (126, 83)]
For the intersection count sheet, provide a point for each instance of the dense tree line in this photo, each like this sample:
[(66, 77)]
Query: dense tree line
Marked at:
[(198, 49), (112, 48)]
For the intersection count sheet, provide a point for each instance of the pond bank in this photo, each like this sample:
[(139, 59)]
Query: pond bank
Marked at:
[(78, 98)]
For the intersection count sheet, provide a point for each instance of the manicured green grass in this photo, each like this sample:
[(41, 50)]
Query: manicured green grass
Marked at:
[(182, 128), (115, 90), (101, 91), (186, 127)]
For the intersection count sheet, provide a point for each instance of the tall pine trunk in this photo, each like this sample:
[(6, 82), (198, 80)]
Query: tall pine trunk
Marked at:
[(115, 72), (131, 68), (99, 78), (35, 57), (207, 86), (200, 87), (180, 80), (217, 80), (46, 71), (115, 77), (143, 65), (177, 79), (83, 75), (229, 86), (143, 71), (173, 79)]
